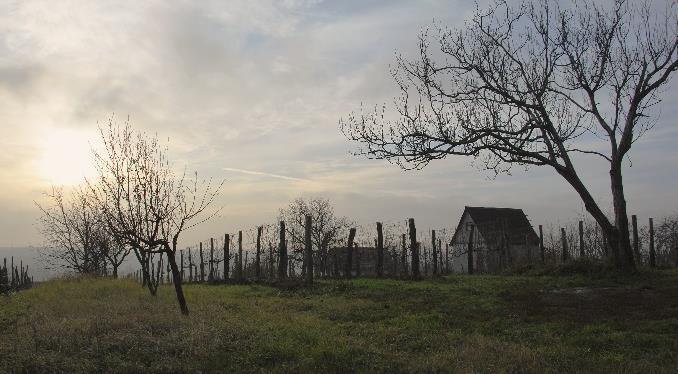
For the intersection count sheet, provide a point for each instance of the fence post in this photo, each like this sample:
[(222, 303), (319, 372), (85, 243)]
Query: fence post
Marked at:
[(414, 250), (582, 252), (239, 263), (447, 257), (227, 255), (403, 255), (563, 240), (257, 268), (349, 253), (636, 243), (380, 250), (181, 253), (282, 253), (469, 250), (435, 252), (652, 253), (541, 244), (211, 276), (202, 265)]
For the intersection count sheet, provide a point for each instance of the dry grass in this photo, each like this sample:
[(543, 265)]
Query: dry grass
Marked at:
[(456, 324)]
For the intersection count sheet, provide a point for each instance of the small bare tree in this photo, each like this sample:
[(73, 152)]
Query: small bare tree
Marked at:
[(326, 226), (146, 205), (534, 85), (74, 232)]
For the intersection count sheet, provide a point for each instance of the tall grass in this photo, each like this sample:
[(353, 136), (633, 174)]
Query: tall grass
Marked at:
[(456, 324)]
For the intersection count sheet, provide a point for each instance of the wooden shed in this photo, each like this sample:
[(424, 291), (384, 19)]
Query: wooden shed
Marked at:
[(502, 238)]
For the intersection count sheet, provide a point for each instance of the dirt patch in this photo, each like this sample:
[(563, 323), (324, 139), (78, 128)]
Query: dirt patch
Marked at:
[(589, 304)]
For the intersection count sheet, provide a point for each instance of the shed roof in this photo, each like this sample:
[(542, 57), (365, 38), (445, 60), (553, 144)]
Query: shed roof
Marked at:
[(489, 221)]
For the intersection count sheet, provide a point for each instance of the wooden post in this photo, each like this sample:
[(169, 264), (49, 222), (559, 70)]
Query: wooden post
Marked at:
[(357, 254), (349, 253), (282, 253), (227, 255), (652, 253), (403, 256), (435, 252), (181, 253), (469, 250), (257, 261), (541, 244), (422, 248), (380, 250), (447, 258), (211, 276), (202, 265), (582, 251), (239, 262), (414, 250), (563, 241), (636, 243), (190, 266), (271, 262)]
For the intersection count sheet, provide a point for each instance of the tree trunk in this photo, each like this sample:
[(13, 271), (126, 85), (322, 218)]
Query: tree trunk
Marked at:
[(617, 235), (176, 277), (621, 243)]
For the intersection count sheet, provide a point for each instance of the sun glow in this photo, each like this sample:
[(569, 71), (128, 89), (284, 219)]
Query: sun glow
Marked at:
[(65, 157)]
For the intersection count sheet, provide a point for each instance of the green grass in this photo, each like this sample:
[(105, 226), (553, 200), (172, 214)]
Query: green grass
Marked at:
[(455, 324)]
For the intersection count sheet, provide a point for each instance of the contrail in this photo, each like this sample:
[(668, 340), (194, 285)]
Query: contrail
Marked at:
[(252, 172)]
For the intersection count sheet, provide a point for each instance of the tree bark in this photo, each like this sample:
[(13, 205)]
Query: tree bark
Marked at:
[(176, 277)]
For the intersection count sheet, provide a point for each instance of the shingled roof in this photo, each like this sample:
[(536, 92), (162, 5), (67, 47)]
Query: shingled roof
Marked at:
[(489, 221)]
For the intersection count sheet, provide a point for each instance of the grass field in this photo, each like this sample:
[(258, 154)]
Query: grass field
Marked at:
[(534, 324)]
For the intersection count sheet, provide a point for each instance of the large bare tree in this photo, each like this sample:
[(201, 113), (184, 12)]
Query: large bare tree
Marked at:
[(147, 205), (533, 84)]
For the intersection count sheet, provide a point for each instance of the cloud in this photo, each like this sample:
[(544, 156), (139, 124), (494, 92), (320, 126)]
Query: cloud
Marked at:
[(258, 85)]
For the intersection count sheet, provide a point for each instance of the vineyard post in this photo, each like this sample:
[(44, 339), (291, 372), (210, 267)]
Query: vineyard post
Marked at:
[(652, 253), (414, 250), (636, 244), (380, 250)]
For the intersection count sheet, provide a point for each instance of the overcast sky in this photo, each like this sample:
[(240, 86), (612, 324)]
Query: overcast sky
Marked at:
[(252, 91)]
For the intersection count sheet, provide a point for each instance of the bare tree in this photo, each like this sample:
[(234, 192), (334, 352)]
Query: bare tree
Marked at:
[(533, 85), (74, 231), (147, 206), (326, 227)]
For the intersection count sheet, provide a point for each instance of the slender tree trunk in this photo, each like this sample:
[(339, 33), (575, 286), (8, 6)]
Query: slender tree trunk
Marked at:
[(178, 289)]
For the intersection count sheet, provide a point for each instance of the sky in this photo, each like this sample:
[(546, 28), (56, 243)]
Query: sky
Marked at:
[(252, 92)]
